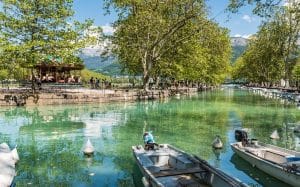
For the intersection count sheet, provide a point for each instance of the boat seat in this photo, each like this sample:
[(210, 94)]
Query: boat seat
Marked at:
[(275, 157), (145, 161), (179, 172), (256, 151), (181, 158), (158, 154), (180, 162)]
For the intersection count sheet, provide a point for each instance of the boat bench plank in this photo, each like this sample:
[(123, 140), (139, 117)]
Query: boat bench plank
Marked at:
[(178, 172), (181, 158)]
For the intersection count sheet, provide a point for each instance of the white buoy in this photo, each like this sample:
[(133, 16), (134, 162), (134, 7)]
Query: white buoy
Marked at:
[(275, 135), (15, 154), (4, 148), (7, 165), (88, 149), (217, 143)]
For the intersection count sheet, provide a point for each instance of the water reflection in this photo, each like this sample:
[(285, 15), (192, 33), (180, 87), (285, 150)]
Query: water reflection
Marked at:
[(217, 160), (261, 178), (50, 138)]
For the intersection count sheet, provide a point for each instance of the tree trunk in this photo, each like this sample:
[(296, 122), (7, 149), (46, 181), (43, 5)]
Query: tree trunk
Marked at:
[(146, 81), (32, 81), (147, 65)]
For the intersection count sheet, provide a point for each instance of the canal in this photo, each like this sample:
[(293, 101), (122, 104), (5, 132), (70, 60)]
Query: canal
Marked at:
[(50, 138)]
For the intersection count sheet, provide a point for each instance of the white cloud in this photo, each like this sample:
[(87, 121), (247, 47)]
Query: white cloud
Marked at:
[(247, 36), (107, 29), (289, 3), (247, 18), (96, 50), (243, 36)]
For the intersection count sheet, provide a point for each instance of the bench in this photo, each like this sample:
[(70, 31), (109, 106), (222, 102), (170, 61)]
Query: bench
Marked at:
[(145, 161), (180, 161), (179, 172)]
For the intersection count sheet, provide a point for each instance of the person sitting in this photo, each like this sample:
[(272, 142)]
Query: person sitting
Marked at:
[(149, 141)]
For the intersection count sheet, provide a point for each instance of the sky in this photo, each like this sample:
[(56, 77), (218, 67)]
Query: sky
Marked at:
[(243, 23)]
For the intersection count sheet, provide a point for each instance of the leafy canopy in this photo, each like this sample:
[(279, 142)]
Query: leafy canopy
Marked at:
[(167, 39)]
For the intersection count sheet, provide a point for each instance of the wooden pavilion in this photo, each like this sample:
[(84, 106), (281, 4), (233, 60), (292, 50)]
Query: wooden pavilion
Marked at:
[(58, 71)]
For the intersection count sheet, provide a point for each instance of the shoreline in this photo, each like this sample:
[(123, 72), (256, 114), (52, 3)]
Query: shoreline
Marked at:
[(23, 97)]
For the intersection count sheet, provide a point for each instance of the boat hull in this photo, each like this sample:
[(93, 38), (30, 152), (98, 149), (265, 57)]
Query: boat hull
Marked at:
[(169, 166), (268, 167)]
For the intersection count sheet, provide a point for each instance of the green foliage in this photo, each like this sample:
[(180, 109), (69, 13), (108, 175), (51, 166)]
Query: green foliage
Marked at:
[(4, 74), (237, 51), (262, 61), (206, 61), (296, 72), (264, 8), (87, 74), (272, 54), (34, 29), (112, 69), (16, 72), (172, 39)]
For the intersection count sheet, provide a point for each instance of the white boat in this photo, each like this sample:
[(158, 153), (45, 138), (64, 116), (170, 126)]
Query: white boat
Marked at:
[(8, 159), (167, 166), (281, 163)]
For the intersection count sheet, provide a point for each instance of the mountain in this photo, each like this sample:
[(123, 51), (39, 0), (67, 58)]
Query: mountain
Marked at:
[(238, 41), (239, 45), (109, 66), (95, 62), (112, 69), (105, 66)]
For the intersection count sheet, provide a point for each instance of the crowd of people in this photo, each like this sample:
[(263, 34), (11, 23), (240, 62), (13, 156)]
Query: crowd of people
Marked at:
[(96, 83), (60, 79)]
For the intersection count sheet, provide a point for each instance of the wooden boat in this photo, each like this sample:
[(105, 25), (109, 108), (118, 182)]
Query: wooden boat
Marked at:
[(279, 162), (8, 159), (167, 166)]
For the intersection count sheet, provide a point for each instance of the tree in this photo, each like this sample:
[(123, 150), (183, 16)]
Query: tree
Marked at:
[(290, 19), (279, 34), (287, 17), (33, 29), (296, 74), (263, 61), (149, 34), (263, 8), (205, 58)]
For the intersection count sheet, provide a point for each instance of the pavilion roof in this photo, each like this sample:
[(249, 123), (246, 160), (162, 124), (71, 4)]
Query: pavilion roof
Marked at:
[(59, 64)]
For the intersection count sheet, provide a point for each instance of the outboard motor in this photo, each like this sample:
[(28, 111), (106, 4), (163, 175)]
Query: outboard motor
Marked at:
[(240, 135)]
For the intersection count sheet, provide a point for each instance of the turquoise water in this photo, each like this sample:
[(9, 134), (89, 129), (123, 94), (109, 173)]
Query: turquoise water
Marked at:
[(50, 138)]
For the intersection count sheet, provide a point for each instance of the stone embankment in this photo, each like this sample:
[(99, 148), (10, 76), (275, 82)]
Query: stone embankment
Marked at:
[(19, 97)]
